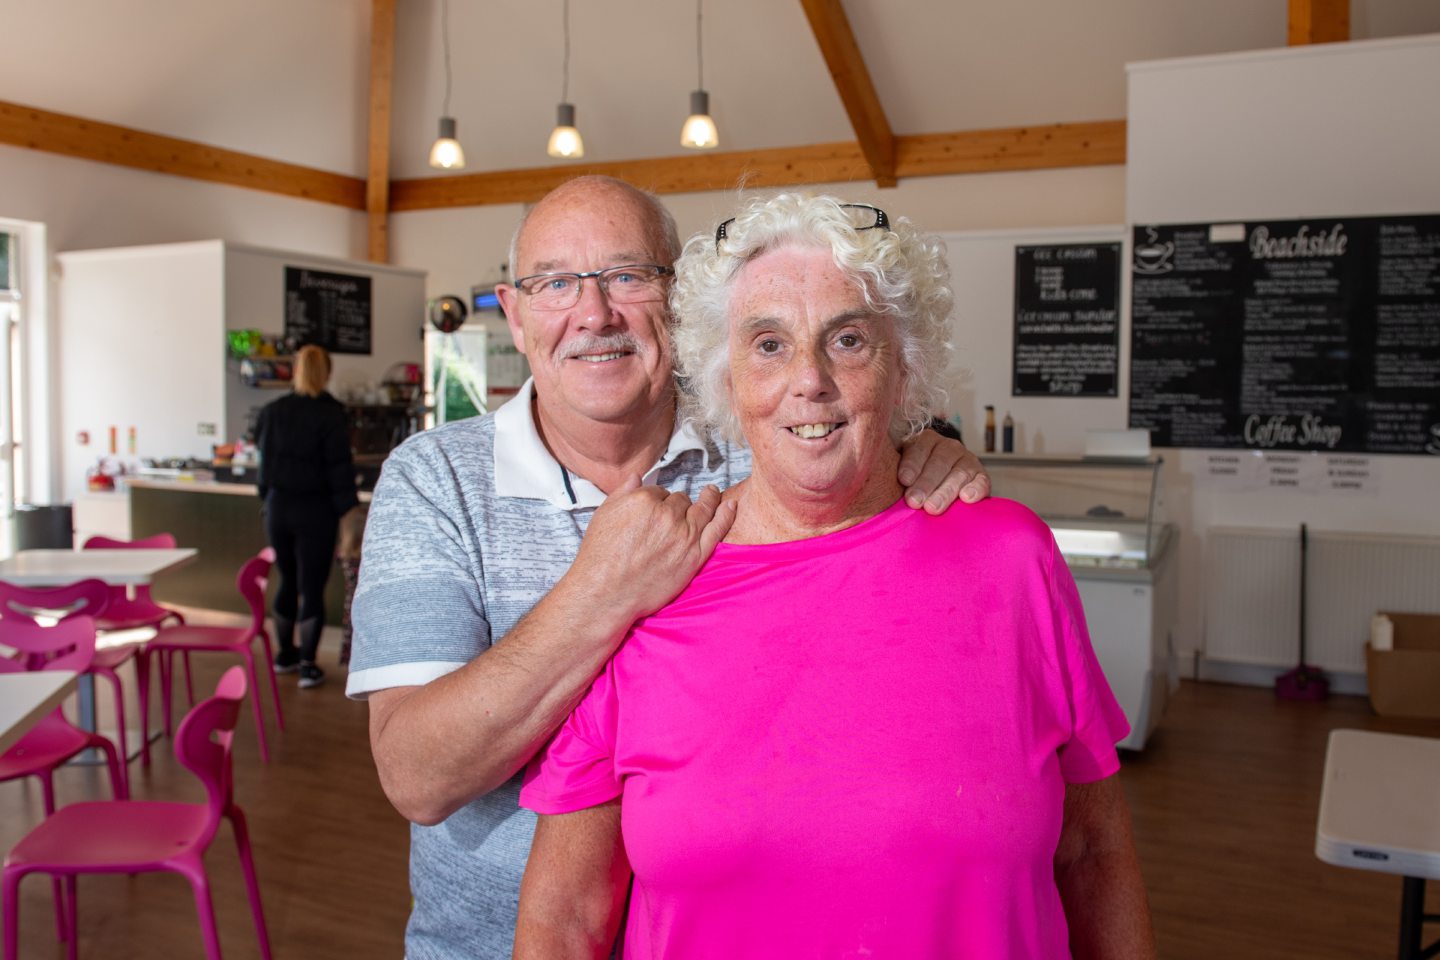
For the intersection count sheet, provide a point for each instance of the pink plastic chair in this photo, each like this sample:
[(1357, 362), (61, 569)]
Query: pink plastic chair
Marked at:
[(133, 612), (26, 604), (130, 612), (72, 648), (68, 645), (140, 836), (93, 597), (238, 640)]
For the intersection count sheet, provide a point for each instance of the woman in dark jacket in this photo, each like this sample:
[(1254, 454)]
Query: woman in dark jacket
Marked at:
[(307, 483)]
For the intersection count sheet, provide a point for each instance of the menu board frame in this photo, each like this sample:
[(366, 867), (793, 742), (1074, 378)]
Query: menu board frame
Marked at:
[(1066, 340), (1318, 334), (329, 309)]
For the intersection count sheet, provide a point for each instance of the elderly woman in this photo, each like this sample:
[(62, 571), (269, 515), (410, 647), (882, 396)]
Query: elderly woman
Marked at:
[(862, 730)]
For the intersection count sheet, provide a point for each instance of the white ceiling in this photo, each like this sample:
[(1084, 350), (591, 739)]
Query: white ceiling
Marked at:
[(287, 79)]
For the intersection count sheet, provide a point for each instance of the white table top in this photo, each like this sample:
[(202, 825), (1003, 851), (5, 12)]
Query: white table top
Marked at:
[(1380, 803), (26, 697), (44, 568)]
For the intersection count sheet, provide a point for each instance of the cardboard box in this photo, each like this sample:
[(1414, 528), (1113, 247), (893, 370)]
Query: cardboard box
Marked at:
[(1405, 681)]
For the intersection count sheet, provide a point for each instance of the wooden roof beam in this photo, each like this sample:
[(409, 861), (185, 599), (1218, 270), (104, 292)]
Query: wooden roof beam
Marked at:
[(107, 143), (852, 81), (1008, 149), (1319, 21), (927, 155), (377, 177)]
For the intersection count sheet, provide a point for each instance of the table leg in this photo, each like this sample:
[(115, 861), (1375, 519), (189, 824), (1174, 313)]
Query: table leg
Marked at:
[(85, 688), (85, 705), (85, 697), (1412, 917)]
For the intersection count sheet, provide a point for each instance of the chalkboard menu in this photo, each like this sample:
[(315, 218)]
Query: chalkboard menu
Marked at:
[(331, 310), (1067, 320), (1316, 334)]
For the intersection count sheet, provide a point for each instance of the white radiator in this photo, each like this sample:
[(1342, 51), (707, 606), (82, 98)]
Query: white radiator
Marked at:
[(1252, 603)]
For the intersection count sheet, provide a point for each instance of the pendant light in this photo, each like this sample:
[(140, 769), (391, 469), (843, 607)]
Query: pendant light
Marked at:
[(446, 154), (699, 131), (565, 140)]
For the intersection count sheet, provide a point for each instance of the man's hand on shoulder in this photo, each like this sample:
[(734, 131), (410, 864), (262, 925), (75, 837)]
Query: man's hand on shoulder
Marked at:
[(936, 471), (644, 545)]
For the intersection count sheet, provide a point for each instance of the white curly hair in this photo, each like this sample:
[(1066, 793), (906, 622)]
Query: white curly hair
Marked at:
[(902, 272)]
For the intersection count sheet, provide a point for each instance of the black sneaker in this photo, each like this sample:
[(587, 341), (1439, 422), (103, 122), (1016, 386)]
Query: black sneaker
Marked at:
[(287, 661), (310, 676)]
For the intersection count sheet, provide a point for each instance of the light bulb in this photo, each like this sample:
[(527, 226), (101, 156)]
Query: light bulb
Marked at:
[(565, 140), (699, 131), (446, 154)]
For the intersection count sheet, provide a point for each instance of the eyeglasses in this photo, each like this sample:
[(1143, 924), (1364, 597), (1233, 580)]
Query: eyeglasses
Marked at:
[(882, 221), (630, 283)]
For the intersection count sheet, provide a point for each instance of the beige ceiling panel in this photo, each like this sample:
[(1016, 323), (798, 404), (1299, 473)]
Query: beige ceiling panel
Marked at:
[(968, 65), (282, 79)]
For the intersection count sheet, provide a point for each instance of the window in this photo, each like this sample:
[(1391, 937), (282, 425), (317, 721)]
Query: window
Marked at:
[(11, 379)]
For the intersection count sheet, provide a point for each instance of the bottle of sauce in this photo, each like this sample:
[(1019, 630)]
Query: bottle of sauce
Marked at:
[(1007, 434), (989, 429)]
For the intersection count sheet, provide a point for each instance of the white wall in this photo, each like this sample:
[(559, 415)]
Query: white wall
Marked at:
[(458, 248), (139, 329), (88, 205), (982, 267), (464, 246), (1344, 129), (1338, 129)]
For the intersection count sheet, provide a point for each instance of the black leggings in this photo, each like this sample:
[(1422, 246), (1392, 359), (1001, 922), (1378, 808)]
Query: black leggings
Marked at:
[(302, 530)]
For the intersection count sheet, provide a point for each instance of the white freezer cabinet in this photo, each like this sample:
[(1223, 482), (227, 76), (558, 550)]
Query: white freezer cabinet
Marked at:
[(1108, 518)]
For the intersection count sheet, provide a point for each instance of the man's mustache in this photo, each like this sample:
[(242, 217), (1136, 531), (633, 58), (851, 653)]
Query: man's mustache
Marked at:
[(589, 344)]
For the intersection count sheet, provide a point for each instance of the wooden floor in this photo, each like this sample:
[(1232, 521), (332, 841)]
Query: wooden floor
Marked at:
[(1224, 801)]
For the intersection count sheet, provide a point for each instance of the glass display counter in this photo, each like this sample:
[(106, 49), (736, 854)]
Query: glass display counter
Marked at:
[(1105, 513), (1111, 525)]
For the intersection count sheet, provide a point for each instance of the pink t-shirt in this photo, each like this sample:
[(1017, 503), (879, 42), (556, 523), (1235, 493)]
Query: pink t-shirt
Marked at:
[(850, 746)]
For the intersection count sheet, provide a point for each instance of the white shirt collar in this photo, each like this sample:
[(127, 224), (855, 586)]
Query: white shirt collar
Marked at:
[(525, 469)]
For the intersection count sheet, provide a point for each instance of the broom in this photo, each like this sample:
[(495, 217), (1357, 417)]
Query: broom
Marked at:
[(1304, 682)]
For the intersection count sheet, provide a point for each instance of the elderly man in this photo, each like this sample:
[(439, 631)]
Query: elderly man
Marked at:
[(551, 525)]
